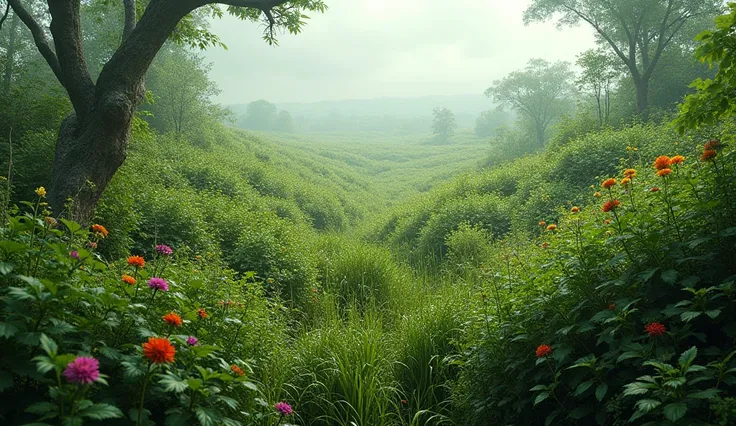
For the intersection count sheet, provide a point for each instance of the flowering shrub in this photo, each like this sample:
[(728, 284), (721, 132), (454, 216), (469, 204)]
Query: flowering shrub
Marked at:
[(143, 339), (625, 315)]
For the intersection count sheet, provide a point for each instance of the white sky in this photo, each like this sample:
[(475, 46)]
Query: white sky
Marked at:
[(387, 48)]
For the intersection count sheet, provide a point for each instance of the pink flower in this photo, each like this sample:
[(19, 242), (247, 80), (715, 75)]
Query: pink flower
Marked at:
[(74, 254), (192, 341), (283, 408), (84, 370), (164, 250), (156, 283)]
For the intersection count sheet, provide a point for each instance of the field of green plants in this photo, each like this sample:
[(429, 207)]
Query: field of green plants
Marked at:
[(246, 278)]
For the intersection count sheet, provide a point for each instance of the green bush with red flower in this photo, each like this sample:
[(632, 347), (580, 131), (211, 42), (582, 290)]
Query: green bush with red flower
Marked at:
[(168, 339), (621, 313)]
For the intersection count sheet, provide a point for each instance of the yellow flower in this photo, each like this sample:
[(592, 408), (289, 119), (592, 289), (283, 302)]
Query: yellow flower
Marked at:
[(597, 195), (41, 191), (551, 227), (630, 173), (575, 209), (625, 181)]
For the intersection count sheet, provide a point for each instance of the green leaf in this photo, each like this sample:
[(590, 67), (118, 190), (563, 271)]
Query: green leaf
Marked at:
[(582, 387), (101, 412), (636, 388), (706, 394), (541, 397), (669, 276), (42, 408), (48, 346), (689, 315), (173, 383), (675, 411), (7, 330), (207, 416), (600, 391), (713, 314), (688, 357), (628, 355), (647, 405)]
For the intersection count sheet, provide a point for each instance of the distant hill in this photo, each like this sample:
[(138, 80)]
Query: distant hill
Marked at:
[(465, 107)]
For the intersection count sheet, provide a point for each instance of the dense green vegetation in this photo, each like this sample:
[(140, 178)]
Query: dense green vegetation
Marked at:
[(574, 267)]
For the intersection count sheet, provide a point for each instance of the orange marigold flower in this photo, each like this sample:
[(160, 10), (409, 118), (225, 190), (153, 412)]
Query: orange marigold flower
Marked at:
[(709, 154), (610, 205), (159, 350), (237, 370), (202, 313), (99, 230), (662, 162), (655, 329), (136, 261), (172, 319), (713, 145), (608, 221), (127, 279), (542, 223), (677, 159), (625, 181), (597, 195), (543, 350), (654, 189), (664, 172), (575, 209), (629, 173), (609, 183), (551, 227)]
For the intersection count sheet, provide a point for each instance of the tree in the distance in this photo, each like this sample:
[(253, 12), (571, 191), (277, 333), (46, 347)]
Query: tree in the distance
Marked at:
[(443, 124), (637, 31), (539, 93), (284, 122), (599, 74), (488, 121), (260, 115), (93, 140)]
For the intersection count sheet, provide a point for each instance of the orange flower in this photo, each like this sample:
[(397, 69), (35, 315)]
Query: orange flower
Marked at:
[(551, 227), (610, 205), (575, 209), (677, 159), (127, 279), (172, 319), (609, 183), (597, 195), (99, 230), (629, 173), (542, 223), (662, 162), (545, 245), (709, 154), (608, 221), (202, 313), (237, 370), (159, 350), (136, 261), (625, 181), (543, 351), (654, 189), (664, 172)]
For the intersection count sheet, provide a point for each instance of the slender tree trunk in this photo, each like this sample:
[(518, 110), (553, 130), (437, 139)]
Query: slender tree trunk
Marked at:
[(541, 130), (642, 98), (10, 55)]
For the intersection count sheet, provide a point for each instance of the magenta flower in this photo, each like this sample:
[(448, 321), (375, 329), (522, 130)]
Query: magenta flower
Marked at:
[(84, 370), (156, 283), (283, 408), (192, 341), (164, 250), (74, 254)]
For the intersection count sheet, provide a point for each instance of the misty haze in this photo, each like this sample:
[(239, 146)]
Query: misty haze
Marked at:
[(367, 212)]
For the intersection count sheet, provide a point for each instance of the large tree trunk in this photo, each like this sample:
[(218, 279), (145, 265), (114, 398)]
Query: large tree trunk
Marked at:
[(88, 153), (642, 98)]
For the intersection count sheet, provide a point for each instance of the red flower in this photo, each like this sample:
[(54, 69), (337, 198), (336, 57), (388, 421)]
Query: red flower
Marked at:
[(662, 162), (713, 145), (202, 313), (172, 319), (404, 402), (543, 351), (654, 189), (545, 245), (610, 205), (709, 154), (655, 329), (136, 261), (159, 350)]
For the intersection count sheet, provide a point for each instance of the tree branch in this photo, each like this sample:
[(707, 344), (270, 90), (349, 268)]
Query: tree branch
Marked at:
[(39, 38), (66, 29), (5, 16), (130, 17)]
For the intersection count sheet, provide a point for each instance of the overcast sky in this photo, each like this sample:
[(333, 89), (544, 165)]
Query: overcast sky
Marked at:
[(363, 49)]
